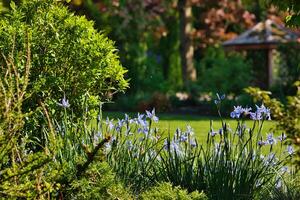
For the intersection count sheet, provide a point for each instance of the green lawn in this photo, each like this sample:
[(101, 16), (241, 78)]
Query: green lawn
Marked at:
[(201, 125)]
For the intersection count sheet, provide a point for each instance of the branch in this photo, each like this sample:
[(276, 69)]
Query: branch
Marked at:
[(91, 157)]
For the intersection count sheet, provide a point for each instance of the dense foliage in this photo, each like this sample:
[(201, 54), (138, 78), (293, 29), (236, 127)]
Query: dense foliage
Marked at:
[(226, 73), (151, 53), (69, 57)]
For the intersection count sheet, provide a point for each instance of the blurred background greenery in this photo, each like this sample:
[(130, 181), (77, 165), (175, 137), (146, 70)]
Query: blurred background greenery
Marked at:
[(174, 54), (170, 68)]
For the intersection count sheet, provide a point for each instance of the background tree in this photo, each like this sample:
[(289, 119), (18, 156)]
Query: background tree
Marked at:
[(186, 43)]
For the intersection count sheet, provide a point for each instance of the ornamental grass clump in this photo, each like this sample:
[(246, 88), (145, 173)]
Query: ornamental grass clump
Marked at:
[(235, 163), (230, 165), (178, 161), (134, 149)]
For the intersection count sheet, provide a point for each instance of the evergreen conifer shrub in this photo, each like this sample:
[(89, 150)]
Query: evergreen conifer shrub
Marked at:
[(69, 57)]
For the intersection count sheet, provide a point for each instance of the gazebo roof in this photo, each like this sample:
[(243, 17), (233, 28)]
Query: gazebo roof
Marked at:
[(266, 34)]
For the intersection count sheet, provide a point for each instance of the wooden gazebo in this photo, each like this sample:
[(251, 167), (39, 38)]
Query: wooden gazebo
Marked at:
[(266, 35)]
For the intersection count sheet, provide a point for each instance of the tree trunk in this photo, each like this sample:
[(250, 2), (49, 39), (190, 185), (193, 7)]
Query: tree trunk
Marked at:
[(186, 43)]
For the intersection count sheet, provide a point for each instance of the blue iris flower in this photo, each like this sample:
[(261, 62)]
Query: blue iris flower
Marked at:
[(151, 115), (270, 139), (64, 103), (290, 150)]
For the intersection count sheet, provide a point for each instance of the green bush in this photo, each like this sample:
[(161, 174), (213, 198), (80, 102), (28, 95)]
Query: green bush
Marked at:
[(224, 73), (68, 56), (98, 182), (165, 191)]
